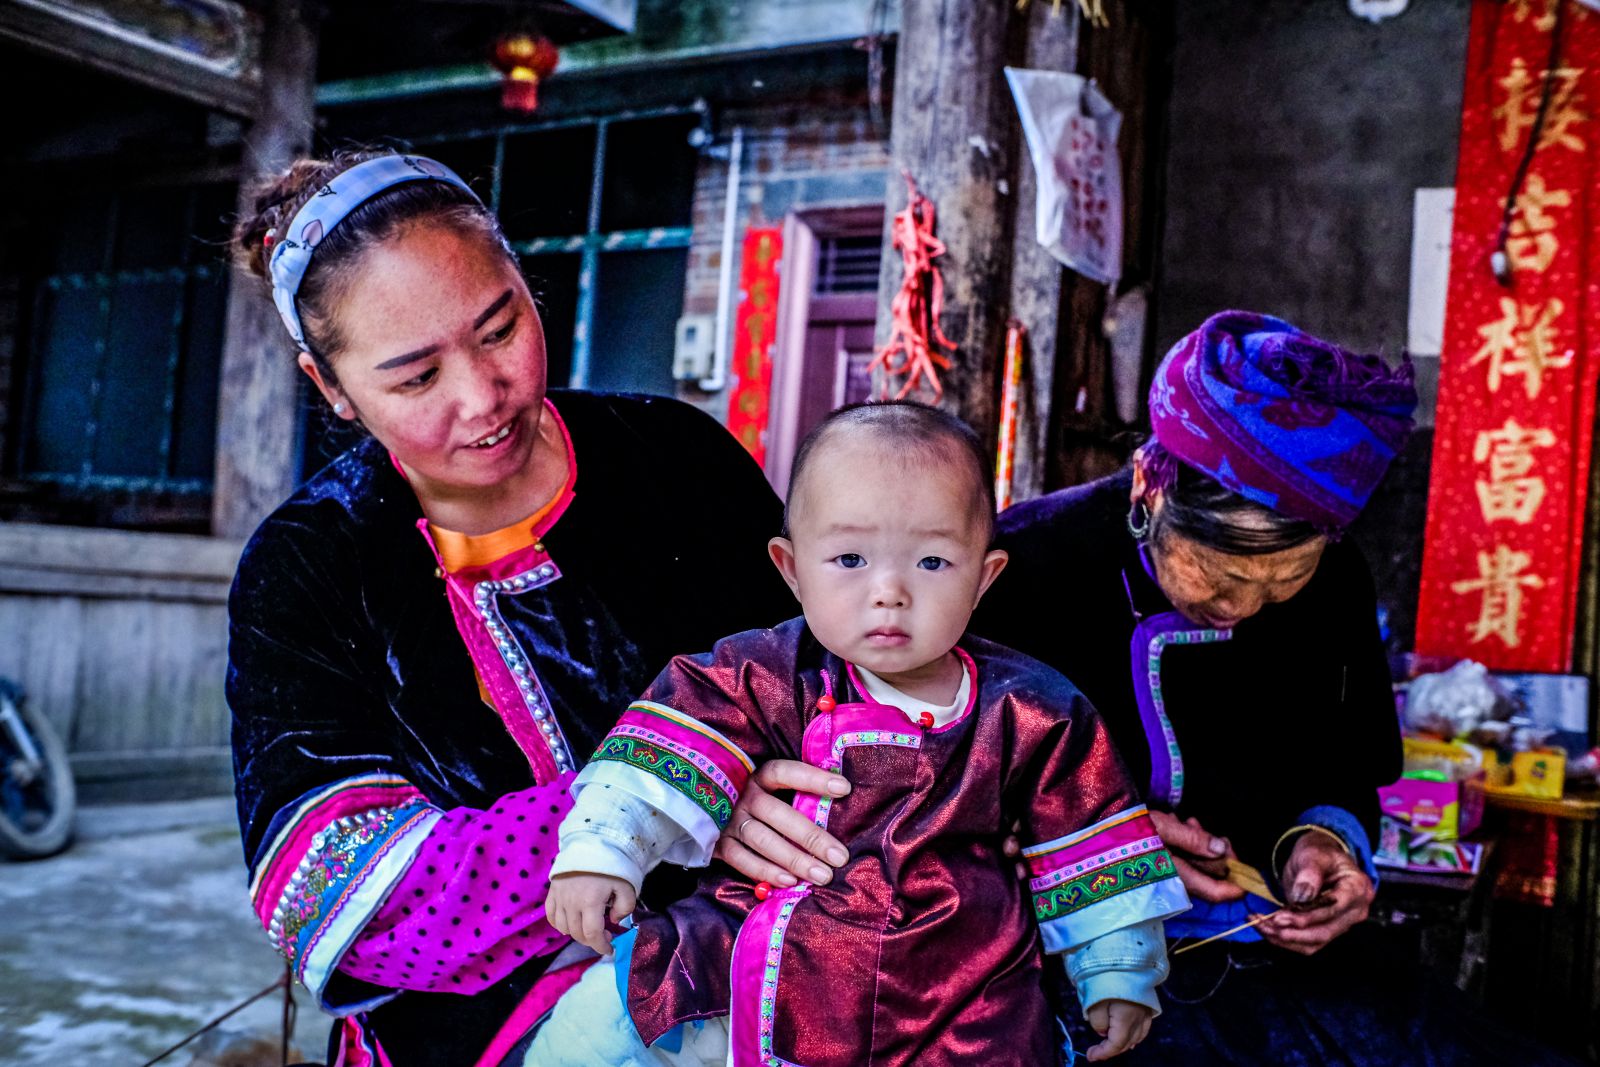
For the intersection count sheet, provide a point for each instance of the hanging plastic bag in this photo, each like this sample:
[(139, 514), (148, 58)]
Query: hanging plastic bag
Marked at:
[(1072, 138)]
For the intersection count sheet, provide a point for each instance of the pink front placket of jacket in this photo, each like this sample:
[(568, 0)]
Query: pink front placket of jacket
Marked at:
[(504, 667)]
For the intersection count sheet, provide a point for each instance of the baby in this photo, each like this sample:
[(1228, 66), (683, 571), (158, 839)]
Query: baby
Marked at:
[(923, 949)]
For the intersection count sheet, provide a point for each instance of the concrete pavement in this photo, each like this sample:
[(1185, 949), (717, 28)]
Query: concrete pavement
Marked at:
[(135, 936)]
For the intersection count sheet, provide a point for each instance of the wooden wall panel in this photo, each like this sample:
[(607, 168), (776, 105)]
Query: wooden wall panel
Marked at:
[(41, 647), (120, 640)]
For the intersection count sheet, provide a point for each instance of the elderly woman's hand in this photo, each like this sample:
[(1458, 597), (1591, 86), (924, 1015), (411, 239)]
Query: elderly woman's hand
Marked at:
[(1199, 855), (767, 840), (1328, 894)]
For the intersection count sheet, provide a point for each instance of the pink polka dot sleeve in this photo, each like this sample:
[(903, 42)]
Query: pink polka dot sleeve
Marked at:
[(470, 909)]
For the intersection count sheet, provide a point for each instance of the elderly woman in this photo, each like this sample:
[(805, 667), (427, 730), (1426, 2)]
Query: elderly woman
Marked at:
[(1206, 603), (433, 633)]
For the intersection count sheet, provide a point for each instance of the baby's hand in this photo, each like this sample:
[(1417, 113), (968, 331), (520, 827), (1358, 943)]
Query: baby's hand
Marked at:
[(577, 906), (1122, 1023)]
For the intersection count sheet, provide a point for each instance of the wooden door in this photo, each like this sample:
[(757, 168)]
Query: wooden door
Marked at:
[(825, 326)]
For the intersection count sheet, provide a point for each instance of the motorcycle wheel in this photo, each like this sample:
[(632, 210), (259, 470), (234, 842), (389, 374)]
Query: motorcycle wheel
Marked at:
[(36, 807)]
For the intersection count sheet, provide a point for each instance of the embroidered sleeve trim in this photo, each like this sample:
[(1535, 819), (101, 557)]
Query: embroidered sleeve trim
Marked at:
[(1073, 914), (310, 815), (1129, 828), (339, 884), (1072, 895), (686, 756), (376, 868), (1118, 857), (661, 717)]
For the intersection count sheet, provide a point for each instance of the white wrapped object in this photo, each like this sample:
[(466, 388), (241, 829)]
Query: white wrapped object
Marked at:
[(1453, 702), (1072, 139), (1375, 11)]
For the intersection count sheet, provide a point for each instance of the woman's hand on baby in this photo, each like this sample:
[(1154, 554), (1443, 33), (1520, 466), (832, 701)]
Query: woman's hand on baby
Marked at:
[(1121, 1025), (767, 840), (1328, 893), (1200, 857), (578, 905)]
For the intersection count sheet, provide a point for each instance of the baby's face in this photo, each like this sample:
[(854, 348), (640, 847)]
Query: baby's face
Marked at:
[(887, 557)]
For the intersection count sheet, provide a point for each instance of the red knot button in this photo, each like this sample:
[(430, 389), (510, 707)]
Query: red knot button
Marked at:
[(826, 704), (926, 718), (763, 890)]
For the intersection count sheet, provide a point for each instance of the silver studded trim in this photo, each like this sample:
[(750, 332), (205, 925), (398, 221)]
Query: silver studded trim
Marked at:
[(484, 596)]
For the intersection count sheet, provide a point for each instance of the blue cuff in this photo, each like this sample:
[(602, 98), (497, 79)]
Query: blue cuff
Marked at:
[(1348, 827), (1208, 919)]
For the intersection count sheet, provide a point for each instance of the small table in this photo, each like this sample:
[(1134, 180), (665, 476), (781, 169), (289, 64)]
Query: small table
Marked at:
[(1448, 913), (1581, 806), (1544, 969)]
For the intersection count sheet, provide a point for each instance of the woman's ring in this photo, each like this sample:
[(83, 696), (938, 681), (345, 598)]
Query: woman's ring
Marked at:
[(740, 834)]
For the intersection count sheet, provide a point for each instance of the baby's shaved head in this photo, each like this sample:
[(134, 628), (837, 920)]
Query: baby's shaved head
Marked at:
[(919, 437)]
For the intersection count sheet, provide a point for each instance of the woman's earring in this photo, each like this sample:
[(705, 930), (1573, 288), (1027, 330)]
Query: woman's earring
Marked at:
[(1139, 521), (338, 409)]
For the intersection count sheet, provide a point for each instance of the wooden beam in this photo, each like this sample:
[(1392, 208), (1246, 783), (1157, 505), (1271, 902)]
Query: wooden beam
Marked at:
[(954, 132), (1129, 59), (1037, 278), (115, 564), (162, 775), (256, 448), (125, 57)]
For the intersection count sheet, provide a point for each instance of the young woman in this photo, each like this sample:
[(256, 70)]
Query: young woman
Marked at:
[(431, 635)]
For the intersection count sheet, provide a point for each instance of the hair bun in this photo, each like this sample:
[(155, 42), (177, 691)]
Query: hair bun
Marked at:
[(274, 201)]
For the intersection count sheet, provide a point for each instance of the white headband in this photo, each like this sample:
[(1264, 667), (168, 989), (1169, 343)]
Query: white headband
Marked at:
[(291, 254)]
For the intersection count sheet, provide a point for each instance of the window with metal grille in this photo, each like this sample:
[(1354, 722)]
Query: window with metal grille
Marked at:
[(598, 210), (848, 264), (124, 338)]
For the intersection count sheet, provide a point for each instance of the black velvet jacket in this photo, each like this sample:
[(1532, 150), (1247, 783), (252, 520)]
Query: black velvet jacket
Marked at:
[(344, 659), (1294, 712)]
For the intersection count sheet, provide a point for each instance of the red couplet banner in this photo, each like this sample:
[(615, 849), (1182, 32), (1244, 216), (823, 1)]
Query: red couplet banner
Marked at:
[(1518, 370), (754, 329)]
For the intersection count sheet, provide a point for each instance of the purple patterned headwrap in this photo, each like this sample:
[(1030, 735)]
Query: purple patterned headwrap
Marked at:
[(1293, 423)]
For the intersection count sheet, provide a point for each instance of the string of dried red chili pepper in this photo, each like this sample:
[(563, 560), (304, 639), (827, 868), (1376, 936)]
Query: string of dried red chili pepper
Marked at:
[(911, 349)]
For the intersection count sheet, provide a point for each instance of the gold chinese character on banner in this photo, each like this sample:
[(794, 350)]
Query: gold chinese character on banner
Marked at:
[(1542, 12), (1510, 492), (1521, 107), (766, 251), (1501, 581), (1522, 341), (1532, 241)]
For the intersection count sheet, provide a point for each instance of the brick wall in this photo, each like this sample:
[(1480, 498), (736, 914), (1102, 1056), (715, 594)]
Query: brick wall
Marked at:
[(795, 158)]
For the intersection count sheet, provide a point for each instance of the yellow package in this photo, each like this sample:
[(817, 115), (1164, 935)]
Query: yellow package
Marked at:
[(1540, 772), (1442, 761)]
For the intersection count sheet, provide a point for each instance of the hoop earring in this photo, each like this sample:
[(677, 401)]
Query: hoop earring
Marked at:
[(1139, 522), (338, 409)]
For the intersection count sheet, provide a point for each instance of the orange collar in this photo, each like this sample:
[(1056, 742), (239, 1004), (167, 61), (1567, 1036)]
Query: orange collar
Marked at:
[(458, 550)]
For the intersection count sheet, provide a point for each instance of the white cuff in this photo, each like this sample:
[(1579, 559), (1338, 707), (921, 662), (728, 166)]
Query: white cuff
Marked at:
[(1135, 986), (610, 831), (677, 831), (1125, 964), (593, 854)]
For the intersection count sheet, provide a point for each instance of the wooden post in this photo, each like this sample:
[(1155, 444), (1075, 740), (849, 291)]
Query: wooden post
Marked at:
[(1129, 60), (256, 402), (954, 131), (1036, 275)]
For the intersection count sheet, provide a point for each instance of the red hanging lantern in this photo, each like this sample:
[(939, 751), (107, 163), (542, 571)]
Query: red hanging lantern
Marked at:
[(525, 59)]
